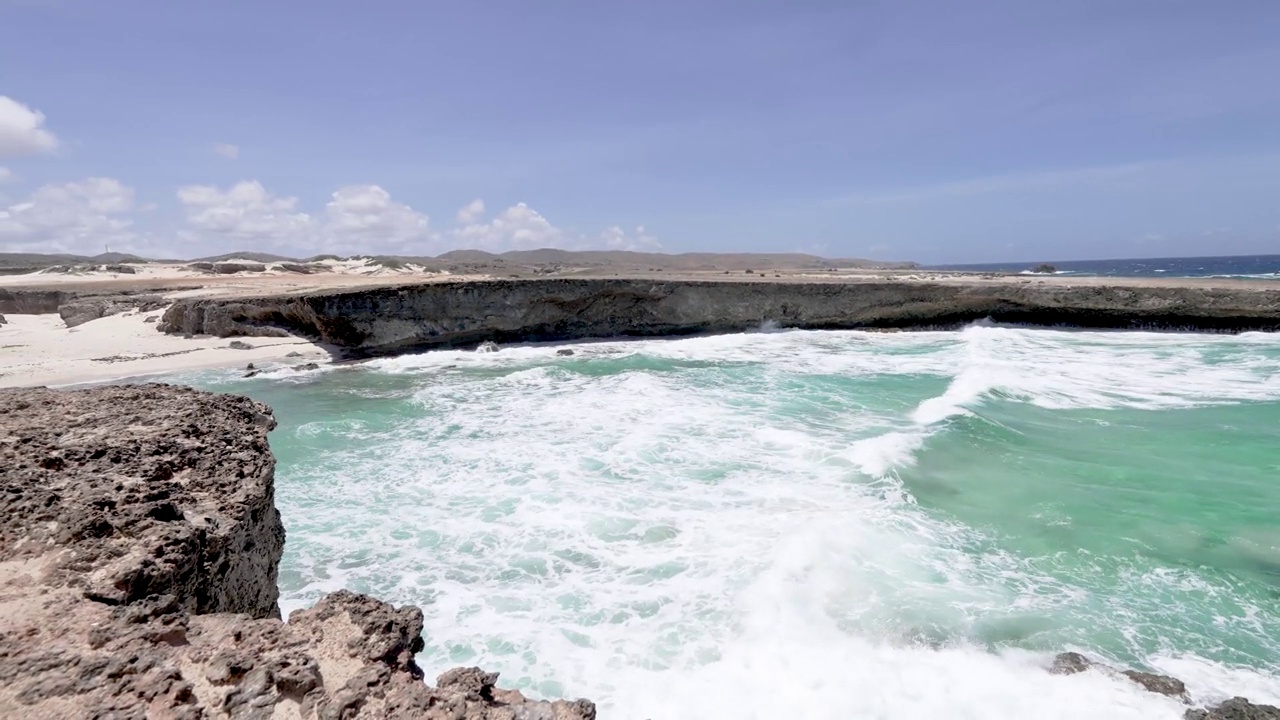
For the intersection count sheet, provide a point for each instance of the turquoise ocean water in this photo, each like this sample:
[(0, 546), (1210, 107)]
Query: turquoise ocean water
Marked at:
[(806, 524)]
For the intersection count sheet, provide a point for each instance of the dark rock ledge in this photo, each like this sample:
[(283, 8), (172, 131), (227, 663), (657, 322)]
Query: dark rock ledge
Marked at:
[(139, 546), (424, 316), (1070, 663)]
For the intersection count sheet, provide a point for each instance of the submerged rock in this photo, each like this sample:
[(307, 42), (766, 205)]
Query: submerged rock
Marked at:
[(487, 346), (140, 543), (564, 352)]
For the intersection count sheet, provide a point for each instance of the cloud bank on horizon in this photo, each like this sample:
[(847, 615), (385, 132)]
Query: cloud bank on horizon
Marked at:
[(99, 212), (899, 131)]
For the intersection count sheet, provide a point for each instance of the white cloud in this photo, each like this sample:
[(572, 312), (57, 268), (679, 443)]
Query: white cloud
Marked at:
[(246, 216), (8, 176), (471, 213), (70, 217), (84, 216), (21, 131), (366, 215), (227, 150), (245, 213), (615, 238), (519, 227)]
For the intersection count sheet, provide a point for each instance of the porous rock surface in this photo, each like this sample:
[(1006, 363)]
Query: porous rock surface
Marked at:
[(139, 546)]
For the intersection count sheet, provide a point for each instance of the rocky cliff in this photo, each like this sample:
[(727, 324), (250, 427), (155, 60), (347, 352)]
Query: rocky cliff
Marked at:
[(139, 546), (397, 319)]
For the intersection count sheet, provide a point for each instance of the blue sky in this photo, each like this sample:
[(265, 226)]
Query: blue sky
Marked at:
[(933, 131)]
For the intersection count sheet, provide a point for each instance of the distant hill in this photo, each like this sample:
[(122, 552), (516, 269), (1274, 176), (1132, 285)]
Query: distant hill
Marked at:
[(686, 261), (257, 257), (514, 260), (39, 260), (115, 258), (469, 256)]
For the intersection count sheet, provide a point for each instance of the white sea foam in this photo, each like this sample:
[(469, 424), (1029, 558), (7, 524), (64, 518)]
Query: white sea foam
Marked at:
[(675, 540)]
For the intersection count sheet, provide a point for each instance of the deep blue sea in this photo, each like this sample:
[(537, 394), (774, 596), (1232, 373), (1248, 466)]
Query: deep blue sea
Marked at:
[(1242, 266)]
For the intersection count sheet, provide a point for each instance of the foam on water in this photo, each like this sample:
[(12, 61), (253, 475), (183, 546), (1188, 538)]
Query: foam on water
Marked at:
[(715, 527)]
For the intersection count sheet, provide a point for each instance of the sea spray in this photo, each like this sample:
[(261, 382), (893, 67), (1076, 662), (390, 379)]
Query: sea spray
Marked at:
[(816, 524)]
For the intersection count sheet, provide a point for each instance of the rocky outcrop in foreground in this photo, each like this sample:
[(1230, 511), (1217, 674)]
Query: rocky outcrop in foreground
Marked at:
[(422, 316), (139, 546)]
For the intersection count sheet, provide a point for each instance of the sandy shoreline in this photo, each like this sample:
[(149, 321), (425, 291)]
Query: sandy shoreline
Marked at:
[(42, 350)]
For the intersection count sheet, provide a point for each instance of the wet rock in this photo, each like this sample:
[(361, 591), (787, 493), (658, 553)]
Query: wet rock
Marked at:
[(487, 346), (564, 352), (239, 345), (230, 268), (1070, 663), (253, 373), (1235, 709), (305, 367), (1161, 684)]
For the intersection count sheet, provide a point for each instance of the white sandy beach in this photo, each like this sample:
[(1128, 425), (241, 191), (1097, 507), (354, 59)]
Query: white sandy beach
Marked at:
[(42, 350)]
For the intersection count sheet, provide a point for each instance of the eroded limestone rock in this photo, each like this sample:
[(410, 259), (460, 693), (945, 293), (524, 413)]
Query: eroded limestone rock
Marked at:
[(139, 545), (80, 311)]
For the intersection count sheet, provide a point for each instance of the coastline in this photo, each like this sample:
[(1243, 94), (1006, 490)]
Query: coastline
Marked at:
[(41, 350), (334, 315)]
